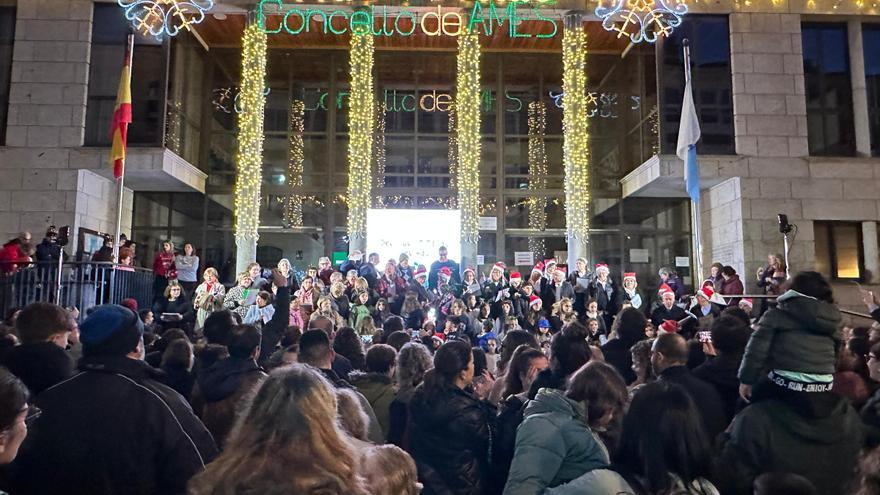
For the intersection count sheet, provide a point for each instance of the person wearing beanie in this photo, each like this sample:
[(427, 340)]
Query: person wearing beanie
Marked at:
[(49, 250), (113, 427)]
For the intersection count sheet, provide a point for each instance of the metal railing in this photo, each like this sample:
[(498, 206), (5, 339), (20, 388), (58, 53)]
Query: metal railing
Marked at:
[(80, 284)]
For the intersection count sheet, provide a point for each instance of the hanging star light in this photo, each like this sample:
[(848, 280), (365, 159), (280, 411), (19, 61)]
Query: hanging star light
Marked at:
[(467, 107), (575, 129), (360, 124), (293, 203), (165, 17), (537, 121), (641, 20)]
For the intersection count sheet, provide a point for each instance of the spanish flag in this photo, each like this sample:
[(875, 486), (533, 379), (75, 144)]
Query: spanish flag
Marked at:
[(121, 118)]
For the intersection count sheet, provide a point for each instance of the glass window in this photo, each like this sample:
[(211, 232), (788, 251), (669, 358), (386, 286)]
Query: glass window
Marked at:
[(830, 128), (7, 37), (109, 31), (871, 42), (839, 249), (712, 83)]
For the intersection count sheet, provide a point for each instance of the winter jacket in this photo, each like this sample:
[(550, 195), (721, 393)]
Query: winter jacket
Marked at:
[(379, 392), (605, 297), (720, 372), (222, 392), (415, 286), (39, 365), (11, 256), (180, 379), (676, 285), (815, 435), (112, 429), (274, 329), (801, 334), (870, 414), (450, 439), (609, 482), (182, 306), (554, 445), (163, 265), (734, 286), (636, 300), (374, 432), (369, 272), (358, 313), (705, 397), (661, 314), (48, 251), (342, 306), (397, 285), (235, 300), (549, 297)]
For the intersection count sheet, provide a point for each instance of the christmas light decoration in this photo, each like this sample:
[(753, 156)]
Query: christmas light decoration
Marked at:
[(641, 20), (537, 176), (293, 203), (173, 124), (360, 125), (452, 155), (249, 160), (379, 145), (575, 129), (467, 108), (164, 17)]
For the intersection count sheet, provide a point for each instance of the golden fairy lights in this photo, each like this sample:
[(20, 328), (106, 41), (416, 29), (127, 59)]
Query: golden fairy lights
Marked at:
[(360, 125), (452, 153), (249, 160), (379, 145), (467, 125), (537, 175), (576, 144), (293, 203)]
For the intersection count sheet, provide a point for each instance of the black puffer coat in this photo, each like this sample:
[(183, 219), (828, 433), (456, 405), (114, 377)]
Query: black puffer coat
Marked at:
[(451, 440)]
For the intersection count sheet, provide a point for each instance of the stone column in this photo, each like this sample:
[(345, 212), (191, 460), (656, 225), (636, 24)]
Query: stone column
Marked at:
[(872, 252), (859, 87)]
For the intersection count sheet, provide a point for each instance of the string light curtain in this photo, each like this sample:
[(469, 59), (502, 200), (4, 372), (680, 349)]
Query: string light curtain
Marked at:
[(293, 203), (537, 176), (360, 125), (249, 160), (452, 156), (467, 126), (379, 147), (575, 129)]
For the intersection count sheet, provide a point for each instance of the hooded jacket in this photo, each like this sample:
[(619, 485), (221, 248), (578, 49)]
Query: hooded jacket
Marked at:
[(111, 429), (379, 392), (817, 436), (221, 391), (554, 445), (451, 433), (802, 334), (39, 365)]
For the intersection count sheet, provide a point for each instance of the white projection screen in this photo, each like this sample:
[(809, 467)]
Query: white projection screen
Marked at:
[(418, 233)]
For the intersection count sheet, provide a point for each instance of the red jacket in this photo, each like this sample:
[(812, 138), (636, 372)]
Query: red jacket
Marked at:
[(163, 265), (11, 256)]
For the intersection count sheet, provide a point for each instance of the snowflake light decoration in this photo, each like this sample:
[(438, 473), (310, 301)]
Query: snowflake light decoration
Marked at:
[(164, 17), (641, 20)]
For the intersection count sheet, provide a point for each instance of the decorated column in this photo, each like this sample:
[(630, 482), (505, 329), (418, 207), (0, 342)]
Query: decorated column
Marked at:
[(293, 203), (537, 177), (576, 144), (249, 160), (360, 145), (467, 131)]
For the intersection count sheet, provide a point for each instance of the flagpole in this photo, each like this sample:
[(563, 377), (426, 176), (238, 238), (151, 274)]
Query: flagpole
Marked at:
[(129, 52), (696, 220)]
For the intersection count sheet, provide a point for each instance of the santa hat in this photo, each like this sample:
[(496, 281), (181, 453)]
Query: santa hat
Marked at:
[(539, 267), (446, 272), (500, 266), (669, 326), (709, 282), (469, 269), (533, 299), (665, 289), (582, 259), (439, 336), (549, 262), (600, 267), (629, 275), (420, 271), (561, 269), (747, 301), (515, 276), (706, 292)]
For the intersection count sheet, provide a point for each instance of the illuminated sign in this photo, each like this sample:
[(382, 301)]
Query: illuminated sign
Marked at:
[(378, 21)]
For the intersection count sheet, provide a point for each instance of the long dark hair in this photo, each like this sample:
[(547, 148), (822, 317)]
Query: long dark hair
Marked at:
[(663, 433), (519, 365), (450, 359), (348, 344), (512, 340)]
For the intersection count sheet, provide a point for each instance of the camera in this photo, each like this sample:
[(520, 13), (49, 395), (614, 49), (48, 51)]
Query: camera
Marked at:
[(784, 226), (64, 235)]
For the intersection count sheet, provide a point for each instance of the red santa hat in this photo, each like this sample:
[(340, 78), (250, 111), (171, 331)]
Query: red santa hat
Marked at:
[(420, 271), (549, 262), (533, 299), (602, 267), (669, 326), (515, 276), (665, 289), (709, 283), (539, 267), (446, 272), (629, 275), (706, 292), (561, 269), (439, 336), (500, 266), (747, 301), (468, 269)]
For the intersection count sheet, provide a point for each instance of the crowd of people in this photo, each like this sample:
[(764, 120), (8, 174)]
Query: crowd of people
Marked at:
[(401, 379)]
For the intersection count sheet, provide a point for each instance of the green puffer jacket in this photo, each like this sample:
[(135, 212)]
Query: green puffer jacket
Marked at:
[(801, 334), (554, 445)]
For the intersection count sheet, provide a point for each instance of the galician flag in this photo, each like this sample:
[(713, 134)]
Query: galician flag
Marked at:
[(121, 119), (688, 135)]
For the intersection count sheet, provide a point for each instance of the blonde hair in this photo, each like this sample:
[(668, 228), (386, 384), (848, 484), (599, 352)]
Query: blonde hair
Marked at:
[(361, 284), (241, 276), (557, 306), (286, 442), (351, 415), (390, 470), (172, 284), (337, 287), (211, 271)]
